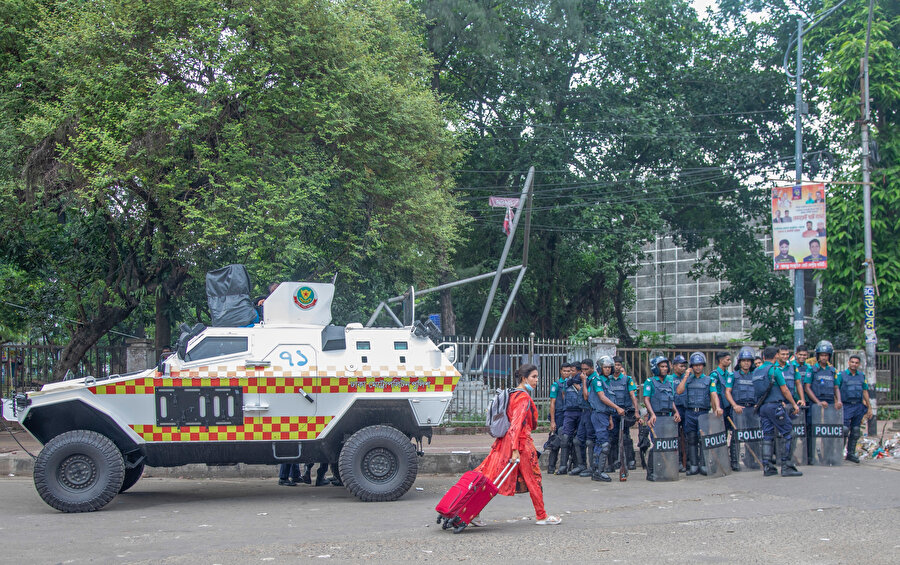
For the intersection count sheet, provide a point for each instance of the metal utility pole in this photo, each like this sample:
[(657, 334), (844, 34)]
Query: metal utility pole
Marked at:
[(799, 274), (869, 288), (799, 109)]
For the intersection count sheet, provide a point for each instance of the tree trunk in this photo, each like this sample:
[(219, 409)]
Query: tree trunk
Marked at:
[(619, 308), (448, 315), (163, 323), (87, 335)]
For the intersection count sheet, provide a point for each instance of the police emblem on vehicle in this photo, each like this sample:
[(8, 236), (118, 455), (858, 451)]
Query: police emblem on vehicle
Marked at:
[(305, 298)]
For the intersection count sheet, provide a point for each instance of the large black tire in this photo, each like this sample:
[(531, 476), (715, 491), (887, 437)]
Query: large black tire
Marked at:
[(79, 471), (378, 464), (131, 477)]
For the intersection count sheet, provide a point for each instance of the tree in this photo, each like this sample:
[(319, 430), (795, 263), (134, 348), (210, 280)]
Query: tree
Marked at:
[(149, 142), (641, 120), (839, 46)]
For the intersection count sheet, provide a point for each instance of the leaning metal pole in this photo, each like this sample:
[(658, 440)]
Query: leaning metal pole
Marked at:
[(529, 180)]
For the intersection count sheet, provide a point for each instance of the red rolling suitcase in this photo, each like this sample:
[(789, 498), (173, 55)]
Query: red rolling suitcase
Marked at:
[(468, 497)]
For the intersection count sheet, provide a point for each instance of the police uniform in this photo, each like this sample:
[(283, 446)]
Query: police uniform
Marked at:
[(572, 412), (852, 386), (723, 378), (618, 389), (746, 390), (679, 407), (775, 417), (661, 392), (600, 422), (557, 391), (584, 435), (791, 376), (697, 401), (820, 379)]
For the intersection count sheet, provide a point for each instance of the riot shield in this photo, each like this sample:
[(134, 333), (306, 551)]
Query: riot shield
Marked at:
[(714, 445), (664, 449), (798, 439), (748, 436), (827, 435)]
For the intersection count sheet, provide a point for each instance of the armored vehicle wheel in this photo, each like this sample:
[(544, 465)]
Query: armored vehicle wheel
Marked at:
[(131, 477), (79, 471), (378, 463)]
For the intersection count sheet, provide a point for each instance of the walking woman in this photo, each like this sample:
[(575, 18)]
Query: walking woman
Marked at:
[(517, 444)]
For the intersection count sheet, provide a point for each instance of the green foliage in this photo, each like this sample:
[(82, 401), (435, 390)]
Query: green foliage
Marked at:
[(588, 331), (641, 120), (653, 339), (150, 142), (840, 45)]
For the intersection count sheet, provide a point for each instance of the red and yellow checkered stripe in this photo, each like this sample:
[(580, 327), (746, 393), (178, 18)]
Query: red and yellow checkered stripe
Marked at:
[(288, 385), (254, 429)]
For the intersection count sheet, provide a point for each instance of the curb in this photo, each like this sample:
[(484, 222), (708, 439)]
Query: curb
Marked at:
[(430, 464)]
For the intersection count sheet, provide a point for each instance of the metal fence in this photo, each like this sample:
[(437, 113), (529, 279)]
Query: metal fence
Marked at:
[(474, 393), (29, 367), (887, 367)]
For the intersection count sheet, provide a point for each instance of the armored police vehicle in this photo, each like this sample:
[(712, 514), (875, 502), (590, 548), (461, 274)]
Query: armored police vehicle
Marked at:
[(289, 388)]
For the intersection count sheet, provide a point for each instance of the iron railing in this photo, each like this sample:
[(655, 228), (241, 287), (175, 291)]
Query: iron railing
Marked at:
[(475, 391), (29, 367)]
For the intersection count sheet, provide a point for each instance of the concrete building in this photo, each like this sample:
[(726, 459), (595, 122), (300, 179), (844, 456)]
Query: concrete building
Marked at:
[(671, 302)]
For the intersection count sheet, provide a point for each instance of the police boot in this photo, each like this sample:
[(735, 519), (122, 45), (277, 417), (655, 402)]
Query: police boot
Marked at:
[(701, 457), (589, 461), (306, 479), (320, 475), (551, 461), (629, 451), (768, 457), (692, 452), (733, 453), (651, 476), (851, 446), (579, 459), (563, 456), (599, 460)]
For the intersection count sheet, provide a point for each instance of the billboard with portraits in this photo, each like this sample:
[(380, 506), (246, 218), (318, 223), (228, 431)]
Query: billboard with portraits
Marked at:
[(798, 227)]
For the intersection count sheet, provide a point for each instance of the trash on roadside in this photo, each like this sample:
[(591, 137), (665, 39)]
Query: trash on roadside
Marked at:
[(875, 448)]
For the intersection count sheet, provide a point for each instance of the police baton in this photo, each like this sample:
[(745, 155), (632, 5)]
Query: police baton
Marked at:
[(758, 462)]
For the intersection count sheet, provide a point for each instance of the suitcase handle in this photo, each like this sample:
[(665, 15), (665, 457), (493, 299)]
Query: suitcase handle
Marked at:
[(505, 473)]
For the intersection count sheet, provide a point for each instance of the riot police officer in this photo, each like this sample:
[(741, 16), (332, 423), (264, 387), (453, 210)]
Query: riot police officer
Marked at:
[(659, 398), (801, 354), (701, 394), (601, 409), (620, 389), (854, 394), (743, 392), (773, 416), (584, 437), (557, 413), (792, 377), (819, 382), (679, 367), (571, 420), (723, 376)]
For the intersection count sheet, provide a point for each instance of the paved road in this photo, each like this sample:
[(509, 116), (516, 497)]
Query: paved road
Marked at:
[(832, 515)]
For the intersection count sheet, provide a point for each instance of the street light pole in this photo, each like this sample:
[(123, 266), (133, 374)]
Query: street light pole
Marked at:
[(799, 277)]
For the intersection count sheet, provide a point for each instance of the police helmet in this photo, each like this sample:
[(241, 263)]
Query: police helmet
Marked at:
[(605, 361), (679, 359), (698, 358), (654, 364), (824, 346), (746, 353)]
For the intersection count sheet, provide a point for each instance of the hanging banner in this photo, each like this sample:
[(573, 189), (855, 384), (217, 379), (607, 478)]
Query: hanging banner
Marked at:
[(798, 227)]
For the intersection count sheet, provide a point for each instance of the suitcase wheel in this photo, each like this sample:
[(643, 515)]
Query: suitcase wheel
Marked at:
[(439, 518)]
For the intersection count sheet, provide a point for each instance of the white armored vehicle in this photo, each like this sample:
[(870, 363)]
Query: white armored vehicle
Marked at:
[(290, 388)]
